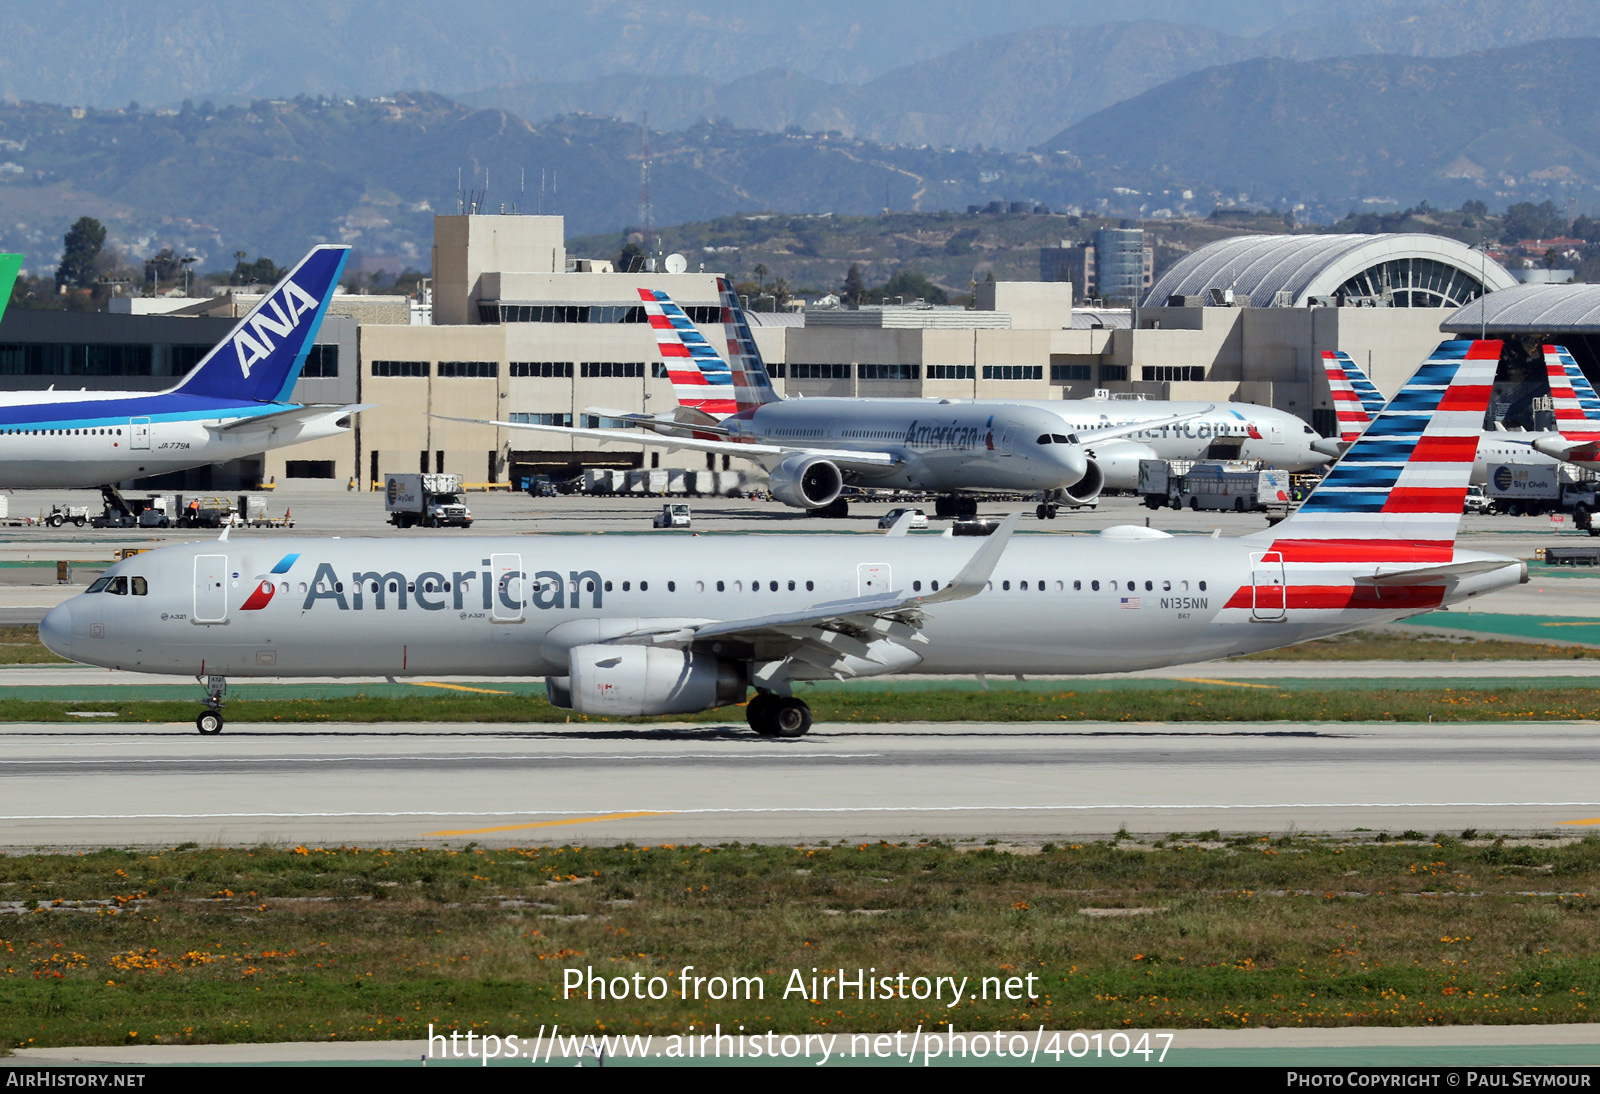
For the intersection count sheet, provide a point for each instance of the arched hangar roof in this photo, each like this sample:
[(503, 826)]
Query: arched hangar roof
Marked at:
[(1531, 309), (1401, 270)]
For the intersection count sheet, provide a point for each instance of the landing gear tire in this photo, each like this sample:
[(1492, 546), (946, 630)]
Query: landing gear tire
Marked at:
[(1040, 513), (210, 720), (778, 715), (789, 717), (758, 713)]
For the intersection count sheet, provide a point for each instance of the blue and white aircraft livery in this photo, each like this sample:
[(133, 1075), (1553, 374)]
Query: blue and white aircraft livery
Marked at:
[(232, 404), (812, 448), (692, 623)]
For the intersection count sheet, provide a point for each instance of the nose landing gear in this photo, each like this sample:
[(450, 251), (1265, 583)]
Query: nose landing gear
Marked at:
[(210, 720)]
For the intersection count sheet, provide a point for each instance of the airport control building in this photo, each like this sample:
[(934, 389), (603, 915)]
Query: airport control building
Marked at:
[(522, 332)]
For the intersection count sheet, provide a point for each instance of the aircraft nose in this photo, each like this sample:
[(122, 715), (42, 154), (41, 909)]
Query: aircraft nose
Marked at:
[(1074, 463), (55, 630)]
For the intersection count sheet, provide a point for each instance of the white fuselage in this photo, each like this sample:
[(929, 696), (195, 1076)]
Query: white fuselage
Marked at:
[(1238, 431), (517, 606), (93, 438), (942, 446)]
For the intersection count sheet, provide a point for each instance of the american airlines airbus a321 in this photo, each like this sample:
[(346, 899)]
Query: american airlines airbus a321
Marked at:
[(232, 404), (812, 448), (682, 624)]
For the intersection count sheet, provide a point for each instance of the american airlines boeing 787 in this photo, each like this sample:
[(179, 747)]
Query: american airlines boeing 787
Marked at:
[(674, 624)]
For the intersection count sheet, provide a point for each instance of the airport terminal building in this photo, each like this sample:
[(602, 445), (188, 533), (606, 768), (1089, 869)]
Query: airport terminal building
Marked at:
[(520, 332)]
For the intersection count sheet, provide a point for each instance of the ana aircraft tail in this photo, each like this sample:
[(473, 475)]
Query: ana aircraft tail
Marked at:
[(1397, 494), (262, 356), (10, 265)]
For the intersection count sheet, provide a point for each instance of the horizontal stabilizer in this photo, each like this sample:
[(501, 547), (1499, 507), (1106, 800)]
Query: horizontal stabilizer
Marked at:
[(289, 415), (1432, 575)]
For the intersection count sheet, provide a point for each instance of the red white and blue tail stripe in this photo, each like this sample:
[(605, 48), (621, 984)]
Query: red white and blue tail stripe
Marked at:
[(1397, 493), (1576, 406), (701, 379), (752, 385), (1351, 408)]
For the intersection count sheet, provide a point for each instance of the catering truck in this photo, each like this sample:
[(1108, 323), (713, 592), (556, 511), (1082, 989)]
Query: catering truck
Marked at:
[(433, 500)]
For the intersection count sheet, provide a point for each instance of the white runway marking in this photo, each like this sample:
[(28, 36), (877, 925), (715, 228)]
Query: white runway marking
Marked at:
[(805, 809)]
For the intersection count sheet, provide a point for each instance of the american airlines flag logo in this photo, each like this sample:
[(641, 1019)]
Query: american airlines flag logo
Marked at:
[(1131, 602)]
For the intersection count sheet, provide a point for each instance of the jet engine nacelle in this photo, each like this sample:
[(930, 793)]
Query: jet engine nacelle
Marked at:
[(1119, 464), (807, 482), (627, 681), (1083, 492)]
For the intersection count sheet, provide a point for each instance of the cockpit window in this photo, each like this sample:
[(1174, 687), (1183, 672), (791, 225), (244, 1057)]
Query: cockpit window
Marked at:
[(1059, 439), (1044, 438), (118, 586), (140, 586), (99, 585)]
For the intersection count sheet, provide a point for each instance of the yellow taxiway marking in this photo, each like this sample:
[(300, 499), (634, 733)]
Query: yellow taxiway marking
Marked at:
[(1590, 623), (1586, 820), (1226, 683), (545, 824), (456, 687)]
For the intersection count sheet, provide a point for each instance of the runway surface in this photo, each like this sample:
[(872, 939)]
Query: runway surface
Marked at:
[(93, 785)]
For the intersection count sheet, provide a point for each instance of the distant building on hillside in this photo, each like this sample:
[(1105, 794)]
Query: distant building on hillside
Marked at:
[(1114, 264)]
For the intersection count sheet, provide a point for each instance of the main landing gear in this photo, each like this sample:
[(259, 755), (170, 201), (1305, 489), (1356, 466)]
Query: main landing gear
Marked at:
[(778, 715), (1046, 511), (210, 720), (838, 507), (954, 506)]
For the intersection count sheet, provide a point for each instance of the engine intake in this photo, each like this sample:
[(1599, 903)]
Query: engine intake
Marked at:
[(1087, 489), (807, 482), (627, 681)]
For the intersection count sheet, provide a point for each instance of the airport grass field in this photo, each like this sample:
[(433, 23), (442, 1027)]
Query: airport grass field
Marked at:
[(1395, 700), (190, 945)]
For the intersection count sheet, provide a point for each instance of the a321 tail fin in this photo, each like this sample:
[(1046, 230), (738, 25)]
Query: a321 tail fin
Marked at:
[(1353, 414), (1576, 406), (1397, 493), (10, 266), (701, 379), (262, 356), (751, 383)]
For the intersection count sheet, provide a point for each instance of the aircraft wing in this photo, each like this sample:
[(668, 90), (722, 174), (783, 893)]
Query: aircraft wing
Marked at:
[(1112, 432), (747, 450), (289, 415), (832, 635)]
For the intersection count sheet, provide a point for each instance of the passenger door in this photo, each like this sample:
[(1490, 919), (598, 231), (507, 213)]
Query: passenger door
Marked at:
[(210, 589)]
